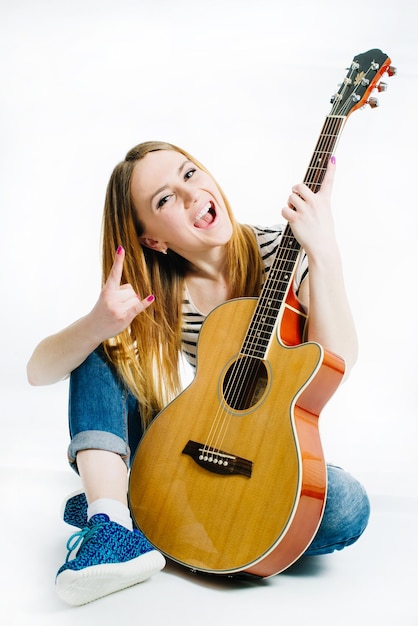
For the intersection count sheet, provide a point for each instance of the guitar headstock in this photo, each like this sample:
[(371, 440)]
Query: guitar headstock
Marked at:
[(363, 76)]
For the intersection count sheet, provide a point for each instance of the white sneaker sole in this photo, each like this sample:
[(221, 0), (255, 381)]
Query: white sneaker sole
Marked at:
[(77, 587)]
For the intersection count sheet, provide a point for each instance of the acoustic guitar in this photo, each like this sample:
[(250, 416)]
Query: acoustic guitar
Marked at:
[(230, 477)]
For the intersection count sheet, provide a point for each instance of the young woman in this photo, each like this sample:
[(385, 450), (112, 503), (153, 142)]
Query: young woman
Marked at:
[(172, 251)]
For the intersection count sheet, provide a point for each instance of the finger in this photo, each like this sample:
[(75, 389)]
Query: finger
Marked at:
[(296, 200), (146, 302), (300, 190), (328, 181), (289, 213), (301, 193), (115, 275), (139, 305)]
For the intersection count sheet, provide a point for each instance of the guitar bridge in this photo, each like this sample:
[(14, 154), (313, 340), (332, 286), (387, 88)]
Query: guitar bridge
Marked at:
[(217, 461)]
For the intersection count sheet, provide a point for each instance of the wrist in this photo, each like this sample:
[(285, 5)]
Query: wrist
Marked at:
[(325, 257), (92, 330)]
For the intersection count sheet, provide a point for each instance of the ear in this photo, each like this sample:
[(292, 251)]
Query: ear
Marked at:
[(154, 244), (149, 243)]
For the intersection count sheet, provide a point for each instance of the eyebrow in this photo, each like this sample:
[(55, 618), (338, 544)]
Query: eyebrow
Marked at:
[(166, 186)]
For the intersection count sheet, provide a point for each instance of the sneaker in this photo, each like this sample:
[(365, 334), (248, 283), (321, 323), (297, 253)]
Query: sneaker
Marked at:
[(74, 511), (110, 558)]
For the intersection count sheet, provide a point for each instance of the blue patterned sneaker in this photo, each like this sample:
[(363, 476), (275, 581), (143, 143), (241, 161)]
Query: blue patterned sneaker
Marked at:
[(110, 558), (75, 510)]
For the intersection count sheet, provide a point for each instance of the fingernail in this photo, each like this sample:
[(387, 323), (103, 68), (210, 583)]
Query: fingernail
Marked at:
[(151, 298), (333, 160), (119, 250)]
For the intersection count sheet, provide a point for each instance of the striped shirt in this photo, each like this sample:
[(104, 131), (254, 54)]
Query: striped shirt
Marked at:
[(268, 240)]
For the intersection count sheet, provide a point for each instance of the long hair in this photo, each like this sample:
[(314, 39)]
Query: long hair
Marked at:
[(147, 353)]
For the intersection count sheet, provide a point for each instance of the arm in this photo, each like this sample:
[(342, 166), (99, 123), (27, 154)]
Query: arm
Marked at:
[(58, 355), (330, 322)]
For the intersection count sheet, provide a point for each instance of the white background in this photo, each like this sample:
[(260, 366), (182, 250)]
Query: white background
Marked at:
[(245, 87)]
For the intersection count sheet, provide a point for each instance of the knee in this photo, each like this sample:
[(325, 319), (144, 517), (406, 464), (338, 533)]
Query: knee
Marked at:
[(95, 365), (95, 392), (346, 515), (347, 500)]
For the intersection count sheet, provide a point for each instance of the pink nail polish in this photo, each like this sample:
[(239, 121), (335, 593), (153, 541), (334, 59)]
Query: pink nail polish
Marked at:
[(333, 160), (119, 250), (151, 298)]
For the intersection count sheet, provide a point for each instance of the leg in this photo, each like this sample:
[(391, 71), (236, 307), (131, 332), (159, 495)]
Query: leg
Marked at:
[(100, 412), (103, 474), (100, 409), (105, 428), (346, 514)]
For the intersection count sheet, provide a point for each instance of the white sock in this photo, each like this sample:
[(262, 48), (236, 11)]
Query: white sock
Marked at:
[(116, 511)]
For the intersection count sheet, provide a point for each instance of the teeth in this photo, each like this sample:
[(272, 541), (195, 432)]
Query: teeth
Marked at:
[(202, 212)]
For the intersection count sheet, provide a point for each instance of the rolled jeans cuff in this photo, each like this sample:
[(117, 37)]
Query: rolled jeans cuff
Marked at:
[(97, 440)]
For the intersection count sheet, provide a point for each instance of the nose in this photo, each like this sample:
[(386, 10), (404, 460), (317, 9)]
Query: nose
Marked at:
[(189, 196)]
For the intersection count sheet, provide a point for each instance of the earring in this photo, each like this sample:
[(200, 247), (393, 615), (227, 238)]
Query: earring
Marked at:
[(163, 251)]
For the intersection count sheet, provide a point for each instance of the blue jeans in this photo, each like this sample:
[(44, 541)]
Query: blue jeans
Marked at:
[(104, 415)]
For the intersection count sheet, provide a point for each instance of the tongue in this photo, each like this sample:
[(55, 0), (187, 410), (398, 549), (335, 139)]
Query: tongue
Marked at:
[(205, 221)]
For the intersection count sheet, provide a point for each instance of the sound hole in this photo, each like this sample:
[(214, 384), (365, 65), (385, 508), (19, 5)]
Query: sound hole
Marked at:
[(244, 383)]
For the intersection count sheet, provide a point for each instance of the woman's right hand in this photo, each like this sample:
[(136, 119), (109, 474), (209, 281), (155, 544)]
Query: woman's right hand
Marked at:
[(56, 356), (118, 304)]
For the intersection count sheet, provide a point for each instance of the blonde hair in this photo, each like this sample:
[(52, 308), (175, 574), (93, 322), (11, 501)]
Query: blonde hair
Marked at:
[(147, 354)]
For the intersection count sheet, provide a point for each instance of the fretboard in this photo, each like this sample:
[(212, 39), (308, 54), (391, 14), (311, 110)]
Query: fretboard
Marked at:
[(280, 275)]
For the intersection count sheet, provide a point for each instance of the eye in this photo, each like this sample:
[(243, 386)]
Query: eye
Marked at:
[(189, 173), (161, 202)]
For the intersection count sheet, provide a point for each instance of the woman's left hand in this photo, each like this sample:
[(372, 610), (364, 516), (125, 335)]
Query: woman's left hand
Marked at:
[(310, 216)]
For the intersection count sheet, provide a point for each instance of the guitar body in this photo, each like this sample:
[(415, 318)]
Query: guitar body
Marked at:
[(261, 513)]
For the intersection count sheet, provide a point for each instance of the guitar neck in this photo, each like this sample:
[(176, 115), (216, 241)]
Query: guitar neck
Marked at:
[(282, 270), (363, 77), (325, 148)]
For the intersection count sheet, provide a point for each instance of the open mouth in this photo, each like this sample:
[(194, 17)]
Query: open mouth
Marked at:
[(206, 216)]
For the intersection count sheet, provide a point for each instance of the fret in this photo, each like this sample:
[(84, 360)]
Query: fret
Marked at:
[(258, 352)]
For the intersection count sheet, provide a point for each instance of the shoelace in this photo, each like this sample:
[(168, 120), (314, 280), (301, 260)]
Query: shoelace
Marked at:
[(80, 536)]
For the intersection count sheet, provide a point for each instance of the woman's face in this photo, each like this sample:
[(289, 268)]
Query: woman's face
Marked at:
[(179, 205)]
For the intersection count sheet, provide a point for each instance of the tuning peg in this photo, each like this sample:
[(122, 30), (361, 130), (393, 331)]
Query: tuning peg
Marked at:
[(392, 71), (373, 102), (382, 87), (335, 97)]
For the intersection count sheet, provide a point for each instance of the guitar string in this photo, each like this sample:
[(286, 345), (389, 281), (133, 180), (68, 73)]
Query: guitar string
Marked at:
[(325, 146), (244, 370), (242, 363), (222, 419)]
